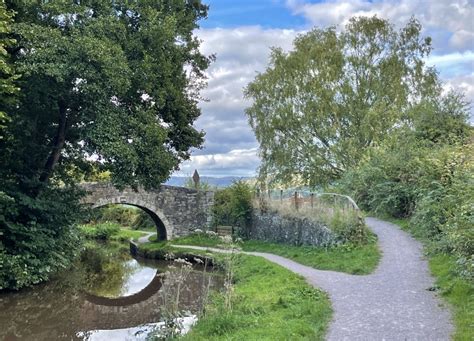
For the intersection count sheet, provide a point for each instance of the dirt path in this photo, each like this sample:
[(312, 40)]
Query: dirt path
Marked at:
[(393, 303)]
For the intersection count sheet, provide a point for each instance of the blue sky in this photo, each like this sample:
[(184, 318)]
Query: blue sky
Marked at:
[(265, 13), (241, 33)]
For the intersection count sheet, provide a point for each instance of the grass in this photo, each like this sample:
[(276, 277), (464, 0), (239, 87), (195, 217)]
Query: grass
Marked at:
[(359, 260), (199, 239), (270, 303), (109, 231), (457, 291), (126, 235)]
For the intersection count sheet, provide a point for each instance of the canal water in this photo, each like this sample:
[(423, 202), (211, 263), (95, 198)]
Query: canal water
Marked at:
[(107, 296)]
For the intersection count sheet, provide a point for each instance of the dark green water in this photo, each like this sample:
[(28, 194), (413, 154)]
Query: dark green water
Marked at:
[(107, 296)]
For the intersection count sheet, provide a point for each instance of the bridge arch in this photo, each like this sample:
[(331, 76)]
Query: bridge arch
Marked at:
[(163, 226), (176, 211)]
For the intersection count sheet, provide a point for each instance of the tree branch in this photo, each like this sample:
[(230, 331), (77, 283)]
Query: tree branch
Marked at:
[(58, 145)]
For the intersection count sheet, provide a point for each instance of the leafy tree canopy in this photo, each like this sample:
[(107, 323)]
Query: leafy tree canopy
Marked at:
[(318, 108), (115, 80), (7, 75)]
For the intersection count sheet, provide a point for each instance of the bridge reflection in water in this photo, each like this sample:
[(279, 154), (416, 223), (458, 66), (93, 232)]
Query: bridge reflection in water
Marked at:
[(49, 312)]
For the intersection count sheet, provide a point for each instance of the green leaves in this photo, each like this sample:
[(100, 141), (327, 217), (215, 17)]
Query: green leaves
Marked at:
[(318, 108)]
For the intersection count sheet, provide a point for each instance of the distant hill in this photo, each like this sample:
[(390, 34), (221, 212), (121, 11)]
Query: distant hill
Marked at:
[(213, 181)]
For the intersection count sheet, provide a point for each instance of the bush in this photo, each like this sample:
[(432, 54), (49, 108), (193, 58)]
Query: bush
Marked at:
[(102, 231), (38, 236), (431, 184), (349, 227), (233, 206)]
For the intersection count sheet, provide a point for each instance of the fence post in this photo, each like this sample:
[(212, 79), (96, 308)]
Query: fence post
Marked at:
[(281, 195), (296, 200), (269, 195), (312, 200)]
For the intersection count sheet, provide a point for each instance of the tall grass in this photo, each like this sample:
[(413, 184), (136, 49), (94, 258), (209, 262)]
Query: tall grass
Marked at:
[(340, 216)]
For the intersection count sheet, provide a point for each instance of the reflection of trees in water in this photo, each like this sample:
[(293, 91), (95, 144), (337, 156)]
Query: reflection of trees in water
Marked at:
[(104, 269), (59, 309)]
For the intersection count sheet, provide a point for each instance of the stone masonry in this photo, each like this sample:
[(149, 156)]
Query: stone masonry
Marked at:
[(271, 226), (176, 211)]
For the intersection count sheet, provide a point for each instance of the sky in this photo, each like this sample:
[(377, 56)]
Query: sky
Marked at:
[(241, 33)]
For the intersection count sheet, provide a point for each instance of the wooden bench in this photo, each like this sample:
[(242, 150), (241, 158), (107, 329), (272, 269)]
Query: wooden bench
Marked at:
[(224, 230)]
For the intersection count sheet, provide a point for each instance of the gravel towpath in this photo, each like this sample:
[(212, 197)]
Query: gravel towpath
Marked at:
[(393, 303), (144, 239)]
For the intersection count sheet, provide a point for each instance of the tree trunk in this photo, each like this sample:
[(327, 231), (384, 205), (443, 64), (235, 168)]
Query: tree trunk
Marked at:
[(58, 145)]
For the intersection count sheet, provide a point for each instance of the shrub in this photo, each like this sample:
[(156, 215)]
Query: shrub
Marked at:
[(102, 231), (348, 226), (432, 185), (233, 206), (38, 236)]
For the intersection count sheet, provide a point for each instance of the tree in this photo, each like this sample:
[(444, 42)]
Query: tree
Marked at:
[(317, 108), (7, 75), (106, 86), (115, 80)]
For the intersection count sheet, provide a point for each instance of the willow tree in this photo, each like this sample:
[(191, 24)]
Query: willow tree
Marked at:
[(106, 85), (317, 108)]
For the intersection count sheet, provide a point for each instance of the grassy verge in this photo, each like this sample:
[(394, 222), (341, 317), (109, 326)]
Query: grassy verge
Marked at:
[(456, 290), (357, 260), (125, 235), (348, 258), (109, 231), (270, 303)]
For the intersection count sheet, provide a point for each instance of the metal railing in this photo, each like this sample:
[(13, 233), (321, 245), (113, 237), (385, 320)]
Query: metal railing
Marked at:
[(307, 199)]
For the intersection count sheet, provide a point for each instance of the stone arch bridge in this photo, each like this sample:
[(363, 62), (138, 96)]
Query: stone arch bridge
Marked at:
[(176, 211)]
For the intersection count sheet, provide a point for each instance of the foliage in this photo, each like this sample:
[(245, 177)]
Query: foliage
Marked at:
[(233, 206), (120, 214), (429, 182), (38, 236), (457, 291), (8, 87), (257, 312), (129, 97), (349, 227), (108, 231), (317, 109), (100, 231), (143, 221)]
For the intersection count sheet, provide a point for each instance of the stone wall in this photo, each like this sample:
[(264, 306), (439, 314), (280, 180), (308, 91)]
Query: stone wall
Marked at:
[(271, 226)]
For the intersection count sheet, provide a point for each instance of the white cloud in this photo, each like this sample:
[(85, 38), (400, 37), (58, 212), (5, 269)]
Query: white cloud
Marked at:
[(241, 53), (452, 16), (238, 162), (450, 58)]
